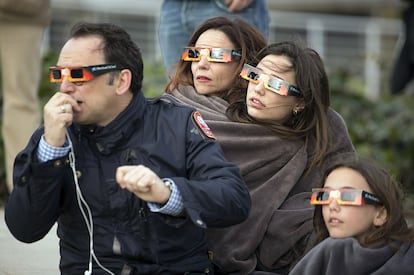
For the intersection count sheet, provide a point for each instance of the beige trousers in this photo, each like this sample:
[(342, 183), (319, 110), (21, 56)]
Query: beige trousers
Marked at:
[(21, 60)]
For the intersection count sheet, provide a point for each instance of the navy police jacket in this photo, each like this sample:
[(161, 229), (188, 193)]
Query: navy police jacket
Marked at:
[(159, 133)]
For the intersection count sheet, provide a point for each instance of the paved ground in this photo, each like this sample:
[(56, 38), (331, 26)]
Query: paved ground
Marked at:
[(17, 258)]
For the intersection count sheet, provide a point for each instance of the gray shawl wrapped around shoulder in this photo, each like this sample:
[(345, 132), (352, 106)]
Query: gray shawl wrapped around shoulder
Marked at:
[(348, 257), (272, 169)]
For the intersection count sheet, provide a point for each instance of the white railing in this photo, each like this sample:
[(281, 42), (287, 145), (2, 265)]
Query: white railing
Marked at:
[(365, 46)]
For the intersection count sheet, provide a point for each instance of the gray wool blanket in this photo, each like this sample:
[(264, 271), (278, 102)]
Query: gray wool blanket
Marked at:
[(272, 169), (348, 257)]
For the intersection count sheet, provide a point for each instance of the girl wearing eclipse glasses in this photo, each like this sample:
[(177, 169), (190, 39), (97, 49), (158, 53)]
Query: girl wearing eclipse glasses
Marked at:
[(359, 223)]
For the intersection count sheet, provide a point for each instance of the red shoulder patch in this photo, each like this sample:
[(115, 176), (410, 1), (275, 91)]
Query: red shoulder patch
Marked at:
[(203, 125)]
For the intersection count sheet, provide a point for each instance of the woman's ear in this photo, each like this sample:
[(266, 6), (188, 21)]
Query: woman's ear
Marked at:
[(123, 81), (300, 104), (381, 216)]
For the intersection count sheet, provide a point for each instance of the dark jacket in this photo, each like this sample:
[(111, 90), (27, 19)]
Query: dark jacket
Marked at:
[(159, 134)]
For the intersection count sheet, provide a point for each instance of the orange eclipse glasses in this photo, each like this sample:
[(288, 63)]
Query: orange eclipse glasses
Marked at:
[(271, 83), (344, 196), (80, 74), (212, 54)]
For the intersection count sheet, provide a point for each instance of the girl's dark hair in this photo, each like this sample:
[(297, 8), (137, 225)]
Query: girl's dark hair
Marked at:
[(312, 123), (118, 48), (387, 189), (246, 38)]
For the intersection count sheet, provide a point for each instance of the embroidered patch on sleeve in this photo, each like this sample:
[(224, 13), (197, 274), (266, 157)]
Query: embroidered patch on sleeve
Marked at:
[(203, 125)]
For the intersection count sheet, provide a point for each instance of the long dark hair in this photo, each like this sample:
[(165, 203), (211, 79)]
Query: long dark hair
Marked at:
[(387, 189), (246, 38), (312, 123)]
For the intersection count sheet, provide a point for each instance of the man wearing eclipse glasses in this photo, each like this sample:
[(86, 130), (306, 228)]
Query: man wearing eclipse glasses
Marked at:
[(133, 183)]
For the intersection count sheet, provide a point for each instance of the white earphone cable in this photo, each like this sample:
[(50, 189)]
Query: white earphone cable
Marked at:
[(87, 216)]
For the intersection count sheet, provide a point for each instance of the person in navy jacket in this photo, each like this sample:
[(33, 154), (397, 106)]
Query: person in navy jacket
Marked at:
[(132, 183)]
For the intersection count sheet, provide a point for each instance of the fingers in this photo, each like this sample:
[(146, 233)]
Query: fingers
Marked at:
[(57, 115), (61, 103), (136, 178), (119, 175), (143, 186), (143, 182), (65, 108)]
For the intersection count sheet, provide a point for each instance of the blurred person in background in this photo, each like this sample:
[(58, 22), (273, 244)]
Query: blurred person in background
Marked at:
[(403, 71), (22, 24), (179, 19)]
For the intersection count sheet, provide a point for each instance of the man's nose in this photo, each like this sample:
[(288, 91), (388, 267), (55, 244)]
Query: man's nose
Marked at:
[(66, 86)]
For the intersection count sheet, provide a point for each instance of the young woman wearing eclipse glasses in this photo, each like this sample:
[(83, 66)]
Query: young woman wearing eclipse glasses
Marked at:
[(359, 223)]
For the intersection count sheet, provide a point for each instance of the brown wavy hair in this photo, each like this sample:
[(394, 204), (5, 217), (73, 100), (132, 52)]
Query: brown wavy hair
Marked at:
[(247, 39)]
